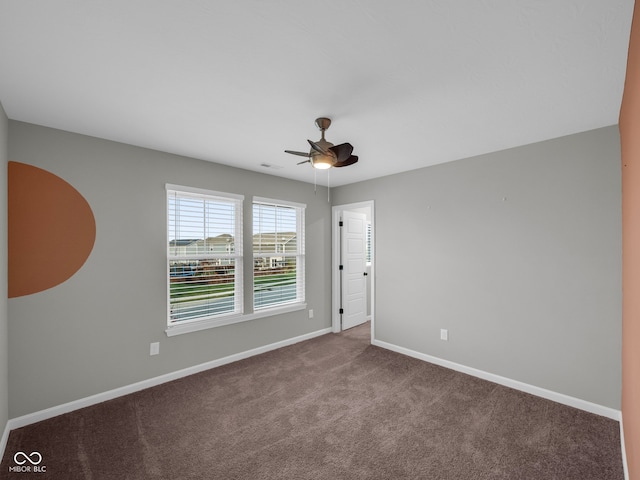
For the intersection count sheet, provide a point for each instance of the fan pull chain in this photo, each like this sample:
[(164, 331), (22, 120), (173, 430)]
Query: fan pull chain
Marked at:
[(328, 185), (315, 189)]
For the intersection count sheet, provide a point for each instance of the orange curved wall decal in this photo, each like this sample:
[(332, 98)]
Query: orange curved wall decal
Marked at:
[(51, 230), (630, 148)]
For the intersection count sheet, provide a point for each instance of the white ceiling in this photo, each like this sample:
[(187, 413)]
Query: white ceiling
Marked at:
[(410, 83)]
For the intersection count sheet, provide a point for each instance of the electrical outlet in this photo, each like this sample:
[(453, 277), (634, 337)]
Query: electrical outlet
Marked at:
[(444, 334), (310, 313), (154, 348)]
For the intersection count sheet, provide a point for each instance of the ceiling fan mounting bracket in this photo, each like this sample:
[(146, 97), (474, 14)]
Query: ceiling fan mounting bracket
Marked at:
[(323, 123)]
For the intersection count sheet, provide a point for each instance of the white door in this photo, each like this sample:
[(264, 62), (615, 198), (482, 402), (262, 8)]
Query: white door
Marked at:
[(353, 261)]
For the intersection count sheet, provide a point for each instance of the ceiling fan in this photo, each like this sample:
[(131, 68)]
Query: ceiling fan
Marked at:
[(323, 154)]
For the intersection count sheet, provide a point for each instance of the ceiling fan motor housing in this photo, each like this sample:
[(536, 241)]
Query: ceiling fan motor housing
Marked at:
[(322, 160)]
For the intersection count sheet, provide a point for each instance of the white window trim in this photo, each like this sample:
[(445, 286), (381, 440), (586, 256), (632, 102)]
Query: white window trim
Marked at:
[(239, 256), (196, 326), (202, 191), (283, 203)]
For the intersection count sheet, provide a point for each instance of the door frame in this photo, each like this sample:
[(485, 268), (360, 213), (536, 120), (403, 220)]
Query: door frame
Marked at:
[(336, 213)]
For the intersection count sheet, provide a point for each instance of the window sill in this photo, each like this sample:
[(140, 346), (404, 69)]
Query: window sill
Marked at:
[(180, 329)]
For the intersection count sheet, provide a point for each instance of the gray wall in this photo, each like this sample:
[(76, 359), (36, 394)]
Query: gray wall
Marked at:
[(92, 333), (529, 287), (4, 339), (517, 253)]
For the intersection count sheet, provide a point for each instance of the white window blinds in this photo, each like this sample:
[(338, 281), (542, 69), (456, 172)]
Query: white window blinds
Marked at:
[(204, 254), (368, 244), (278, 254)]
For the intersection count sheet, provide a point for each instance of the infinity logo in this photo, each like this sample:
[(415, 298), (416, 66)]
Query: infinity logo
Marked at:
[(27, 458)]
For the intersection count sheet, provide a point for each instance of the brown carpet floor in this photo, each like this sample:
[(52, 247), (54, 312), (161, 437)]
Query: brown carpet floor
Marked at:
[(333, 407)]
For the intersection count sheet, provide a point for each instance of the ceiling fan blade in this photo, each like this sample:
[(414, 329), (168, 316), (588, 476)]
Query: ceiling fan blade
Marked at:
[(305, 161), (316, 147), (342, 151), (349, 161), (301, 154)]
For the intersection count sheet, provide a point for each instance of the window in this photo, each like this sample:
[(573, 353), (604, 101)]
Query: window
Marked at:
[(368, 244), (278, 253), (204, 254)]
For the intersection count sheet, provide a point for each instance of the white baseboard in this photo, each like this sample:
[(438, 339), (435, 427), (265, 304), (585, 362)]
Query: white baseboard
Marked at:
[(507, 382), (625, 466), (30, 418), (4, 440)]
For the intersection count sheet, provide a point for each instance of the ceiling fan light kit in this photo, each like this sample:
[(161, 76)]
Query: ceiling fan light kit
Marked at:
[(322, 162)]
